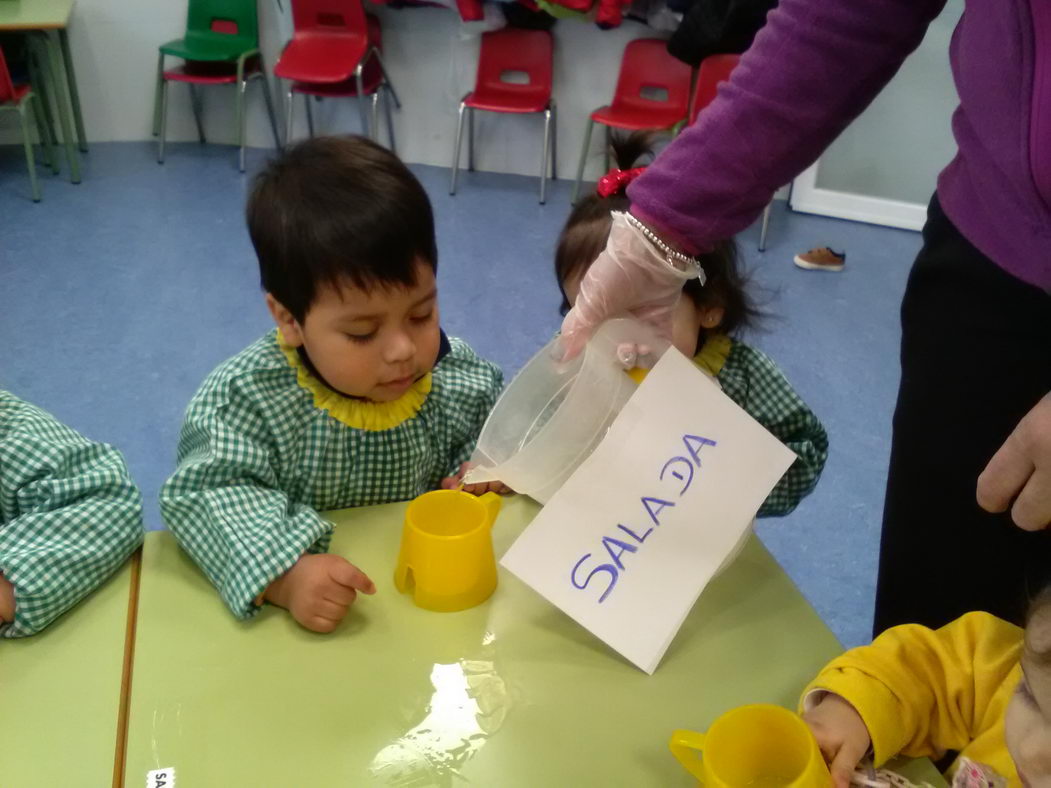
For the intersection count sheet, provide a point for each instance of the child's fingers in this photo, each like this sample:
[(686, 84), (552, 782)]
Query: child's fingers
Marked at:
[(450, 483), (349, 576), (320, 624), (1004, 476), (332, 609), (846, 762)]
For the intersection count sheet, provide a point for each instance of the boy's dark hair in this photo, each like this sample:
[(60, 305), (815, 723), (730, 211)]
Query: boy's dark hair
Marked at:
[(338, 209), (585, 233)]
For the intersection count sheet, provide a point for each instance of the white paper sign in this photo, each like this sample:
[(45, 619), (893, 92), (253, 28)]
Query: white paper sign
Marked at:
[(637, 532)]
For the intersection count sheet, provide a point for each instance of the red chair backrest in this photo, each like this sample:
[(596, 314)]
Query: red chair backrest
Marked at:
[(7, 88), (329, 17), (647, 65), (714, 69), (511, 49)]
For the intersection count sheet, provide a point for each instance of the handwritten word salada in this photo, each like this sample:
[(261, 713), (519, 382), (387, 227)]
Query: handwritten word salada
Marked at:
[(625, 539)]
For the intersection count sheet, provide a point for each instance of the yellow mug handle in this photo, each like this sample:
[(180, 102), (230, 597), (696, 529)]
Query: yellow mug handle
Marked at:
[(492, 503), (683, 744)]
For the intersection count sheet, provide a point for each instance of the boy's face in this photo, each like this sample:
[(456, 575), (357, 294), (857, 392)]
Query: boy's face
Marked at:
[(1029, 713), (372, 344)]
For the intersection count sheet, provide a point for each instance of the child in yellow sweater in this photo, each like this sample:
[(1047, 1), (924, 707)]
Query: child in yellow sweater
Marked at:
[(978, 686)]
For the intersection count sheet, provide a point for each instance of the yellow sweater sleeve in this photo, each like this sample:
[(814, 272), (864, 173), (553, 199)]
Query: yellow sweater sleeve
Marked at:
[(922, 692)]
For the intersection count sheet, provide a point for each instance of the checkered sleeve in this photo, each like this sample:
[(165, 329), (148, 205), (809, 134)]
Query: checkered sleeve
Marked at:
[(225, 504), (471, 385), (70, 515), (755, 383)]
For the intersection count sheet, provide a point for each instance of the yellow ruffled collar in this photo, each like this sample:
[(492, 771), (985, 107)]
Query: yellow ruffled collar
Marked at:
[(359, 414), (713, 353)]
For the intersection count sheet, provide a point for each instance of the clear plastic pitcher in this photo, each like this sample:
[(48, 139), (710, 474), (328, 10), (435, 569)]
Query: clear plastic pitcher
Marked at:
[(553, 414)]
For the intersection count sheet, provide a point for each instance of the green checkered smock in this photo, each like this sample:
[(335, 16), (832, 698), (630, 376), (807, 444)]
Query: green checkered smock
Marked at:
[(258, 460), (70, 515), (754, 382)]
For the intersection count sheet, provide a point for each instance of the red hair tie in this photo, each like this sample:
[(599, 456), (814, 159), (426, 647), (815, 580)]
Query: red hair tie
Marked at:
[(616, 181)]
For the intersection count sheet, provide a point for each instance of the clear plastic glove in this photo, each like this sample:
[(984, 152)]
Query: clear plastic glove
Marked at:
[(630, 277)]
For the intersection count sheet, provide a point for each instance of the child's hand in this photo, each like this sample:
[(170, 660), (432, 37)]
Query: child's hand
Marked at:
[(842, 736), (319, 589), (7, 600), (455, 482)]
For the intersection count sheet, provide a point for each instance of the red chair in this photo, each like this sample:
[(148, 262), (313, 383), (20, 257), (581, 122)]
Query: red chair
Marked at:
[(503, 54), (335, 53), (715, 69), (646, 67), (21, 98)]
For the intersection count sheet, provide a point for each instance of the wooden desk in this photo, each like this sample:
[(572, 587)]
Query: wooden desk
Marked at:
[(43, 17), (509, 693), (60, 694)]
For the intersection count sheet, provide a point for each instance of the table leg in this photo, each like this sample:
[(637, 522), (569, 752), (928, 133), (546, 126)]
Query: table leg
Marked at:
[(53, 65), (74, 95)]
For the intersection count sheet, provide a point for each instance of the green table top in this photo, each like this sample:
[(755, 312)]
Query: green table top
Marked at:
[(510, 693), (35, 14), (60, 694)]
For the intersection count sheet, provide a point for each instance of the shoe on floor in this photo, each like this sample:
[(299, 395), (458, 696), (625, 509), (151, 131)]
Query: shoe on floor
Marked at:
[(823, 259)]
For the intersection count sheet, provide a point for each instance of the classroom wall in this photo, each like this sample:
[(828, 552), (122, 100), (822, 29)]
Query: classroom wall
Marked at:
[(430, 55), (897, 147)]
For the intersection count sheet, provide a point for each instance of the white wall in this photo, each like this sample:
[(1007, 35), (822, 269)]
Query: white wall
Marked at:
[(431, 57), (896, 148)]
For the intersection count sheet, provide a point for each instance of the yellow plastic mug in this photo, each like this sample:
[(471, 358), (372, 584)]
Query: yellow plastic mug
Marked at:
[(446, 558), (758, 745)]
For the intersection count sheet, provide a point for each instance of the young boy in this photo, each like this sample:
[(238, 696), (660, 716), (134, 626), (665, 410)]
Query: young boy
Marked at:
[(357, 398), (69, 517)]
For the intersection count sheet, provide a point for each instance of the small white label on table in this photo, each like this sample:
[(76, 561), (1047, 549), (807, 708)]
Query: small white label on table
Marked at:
[(637, 532), (161, 778)]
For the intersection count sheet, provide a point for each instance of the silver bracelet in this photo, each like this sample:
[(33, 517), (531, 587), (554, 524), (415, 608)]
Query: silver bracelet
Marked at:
[(674, 258)]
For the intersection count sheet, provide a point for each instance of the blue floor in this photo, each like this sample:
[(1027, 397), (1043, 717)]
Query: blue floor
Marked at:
[(120, 294)]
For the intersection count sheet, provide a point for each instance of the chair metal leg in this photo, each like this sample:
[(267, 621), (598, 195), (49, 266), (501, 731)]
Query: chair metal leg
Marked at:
[(242, 86), (362, 110), (766, 225), (269, 106), (45, 139), (456, 147), (470, 139), (163, 128), (195, 102), (54, 68), (543, 154), (554, 142), (45, 120), (27, 143), (71, 82), (289, 107), (374, 122), (157, 96), (387, 100), (605, 148), (582, 162), (310, 115), (386, 77)]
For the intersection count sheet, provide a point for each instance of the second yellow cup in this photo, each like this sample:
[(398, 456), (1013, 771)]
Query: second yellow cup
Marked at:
[(758, 745), (446, 558)]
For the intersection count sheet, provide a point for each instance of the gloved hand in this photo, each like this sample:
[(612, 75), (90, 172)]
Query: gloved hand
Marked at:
[(630, 277)]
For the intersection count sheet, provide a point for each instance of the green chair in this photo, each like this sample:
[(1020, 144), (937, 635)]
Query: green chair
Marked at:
[(22, 99), (221, 47)]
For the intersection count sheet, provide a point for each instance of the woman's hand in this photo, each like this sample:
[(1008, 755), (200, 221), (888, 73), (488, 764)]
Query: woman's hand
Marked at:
[(630, 277), (1021, 472)]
